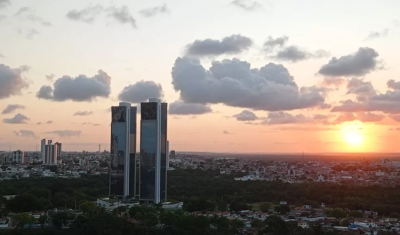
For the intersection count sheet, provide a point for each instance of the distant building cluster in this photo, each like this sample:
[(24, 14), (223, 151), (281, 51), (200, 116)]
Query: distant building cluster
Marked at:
[(50, 152)]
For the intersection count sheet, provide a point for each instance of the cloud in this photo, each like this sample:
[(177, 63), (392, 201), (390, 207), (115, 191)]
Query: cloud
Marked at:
[(30, 34), (150, 12), (376, 34), (141, 92), (28, 14), (25, 133), (65, 133), (83, 113), (80, 89), (181, 108), (4, 3), (49, 122), (88, 14), (280, 117), (362, 117), (369, 100), (11, 81), (359, 63), (272, 43), (39, 123), (17, 119), (235, 84), (226, 132), (247, 5), (246, 115), (50, 77), (2, 56), (11, 108), (333, 81), (233, 44), (320, 117), (395, 117), (296, 54)]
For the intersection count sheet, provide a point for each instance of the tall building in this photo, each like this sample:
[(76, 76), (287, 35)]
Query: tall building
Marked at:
[(153, 151), (43, 149), (123, 149), (17, 157), (58, 150), (167, 151), (51, 152)]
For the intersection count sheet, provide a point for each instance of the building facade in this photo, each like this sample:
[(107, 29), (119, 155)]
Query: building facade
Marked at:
[(153, 151), (51, 152), (43, 149), (123, 149), (17, 157)]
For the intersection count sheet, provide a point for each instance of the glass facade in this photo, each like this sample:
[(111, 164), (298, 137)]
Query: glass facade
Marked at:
[(148, 151), (132, 155), (118, 148)]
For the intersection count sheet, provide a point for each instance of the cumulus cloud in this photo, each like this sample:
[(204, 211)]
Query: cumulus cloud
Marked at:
[(182, 108), (150, 12), (233, 44), (296, 54), (83, 113), (26, 134), (285, 118), (11, 108), (246, 115), (359, 63), (11, 81), (273, 43), (17, 119), (88, 14), (388, 102), (333, 81), (50, 77), (234, 83), (65, 133), (81, 88), (378, 34), (141, 92), (247, 5), (27, 13)]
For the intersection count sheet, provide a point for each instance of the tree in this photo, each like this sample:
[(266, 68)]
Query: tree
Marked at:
[(20, 220), (258, 224), (24, 203), (42, 220), (276, 225), (88, 207), (264, 207), (356, 214), (282, 209)]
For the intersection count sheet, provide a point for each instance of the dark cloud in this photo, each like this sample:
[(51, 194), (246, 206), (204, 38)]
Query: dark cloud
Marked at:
[(280, 117), (11, 81), (81, 88), (246, 115), (247, 5), (83, 113), (226, 132), (88, 14), (181, 108), (4, 3), (392, 84), (141, 92), (11, 108), (234, 83), (26, 134), (377, 34), (65, 133), (272, 43), (50, 77), (296, 54), (17, 119), (362, 90), (150, 12), (234, 44), (359, 63)]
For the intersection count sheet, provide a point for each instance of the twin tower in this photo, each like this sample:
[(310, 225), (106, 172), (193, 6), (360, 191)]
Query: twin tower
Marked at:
[(143, 177)]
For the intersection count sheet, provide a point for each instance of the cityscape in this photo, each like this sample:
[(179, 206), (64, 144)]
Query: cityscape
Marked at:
[(183, 117)]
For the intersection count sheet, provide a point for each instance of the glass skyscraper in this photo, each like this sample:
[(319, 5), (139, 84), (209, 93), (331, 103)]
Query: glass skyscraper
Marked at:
[(153, 151), (123, 149)]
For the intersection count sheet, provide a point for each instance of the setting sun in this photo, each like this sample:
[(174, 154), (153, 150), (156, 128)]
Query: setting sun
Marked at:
[(352, 134)]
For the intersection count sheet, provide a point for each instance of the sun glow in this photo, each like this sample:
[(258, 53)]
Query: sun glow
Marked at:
[(352, 134)]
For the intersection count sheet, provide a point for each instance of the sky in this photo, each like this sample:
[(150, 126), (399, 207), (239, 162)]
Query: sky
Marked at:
[(240, 76)]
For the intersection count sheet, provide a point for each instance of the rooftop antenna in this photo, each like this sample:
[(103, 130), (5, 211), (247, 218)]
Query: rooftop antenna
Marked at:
[(99, 147)]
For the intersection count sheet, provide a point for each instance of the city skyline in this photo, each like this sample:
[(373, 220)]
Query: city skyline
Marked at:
[(250, 76)]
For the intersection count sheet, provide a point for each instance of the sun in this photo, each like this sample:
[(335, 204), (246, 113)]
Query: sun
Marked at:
[(352, 134)]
